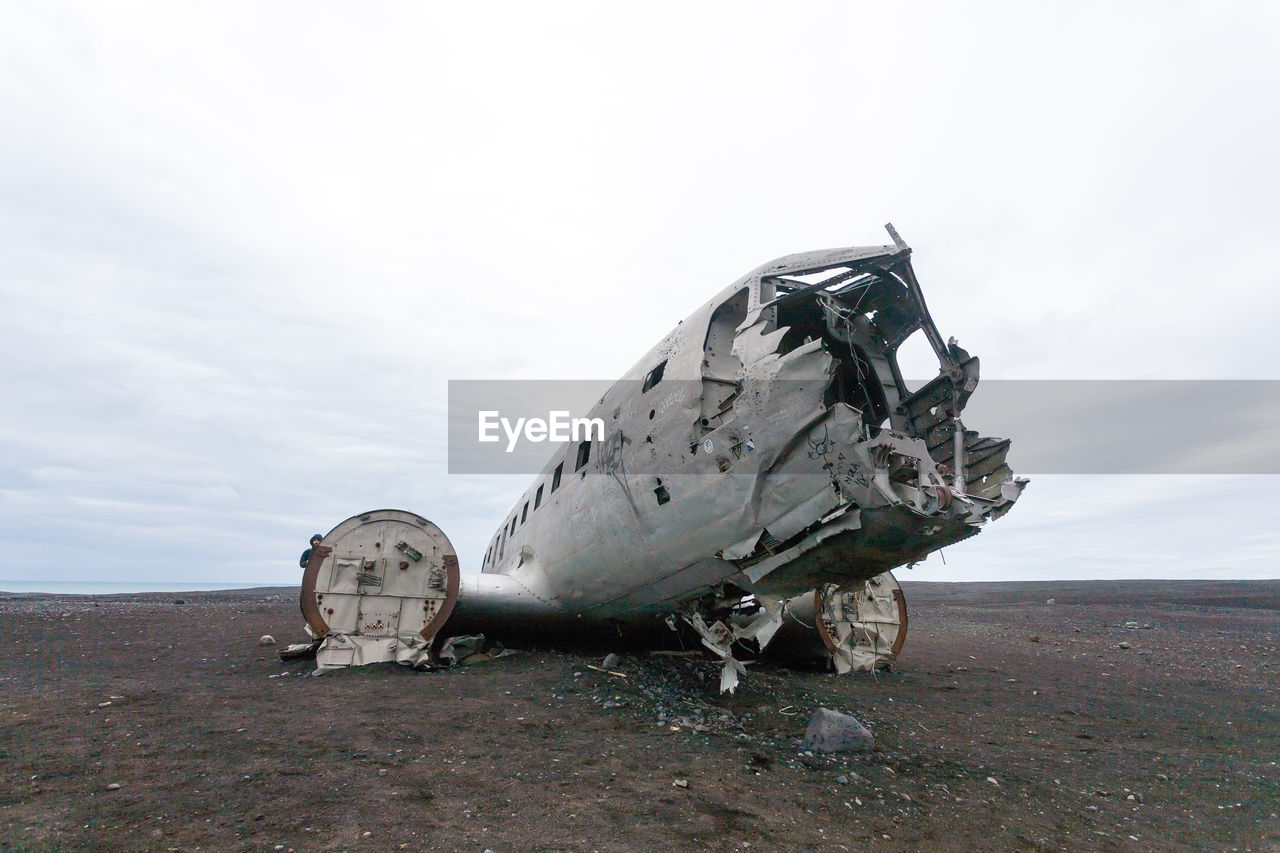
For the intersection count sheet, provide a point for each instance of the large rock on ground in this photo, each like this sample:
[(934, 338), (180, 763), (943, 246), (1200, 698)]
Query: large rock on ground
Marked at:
[(831, 731)]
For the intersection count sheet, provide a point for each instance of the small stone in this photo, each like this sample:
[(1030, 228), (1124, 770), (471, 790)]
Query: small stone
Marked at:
[(1035, 638), (266, 640), (104, 704), (382, 771), (993, 781), (843, 780), (1131, 625), (610, 661), (680, 783), (831, 731), (1126, 645), (179, 601), (114, 786), (1052, 601), (367, 835)]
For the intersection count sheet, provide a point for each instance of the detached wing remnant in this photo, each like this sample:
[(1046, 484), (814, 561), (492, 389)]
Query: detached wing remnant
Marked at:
[(764, 467)]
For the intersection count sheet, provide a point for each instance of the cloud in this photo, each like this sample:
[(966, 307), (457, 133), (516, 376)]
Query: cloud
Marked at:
[(243, 248)]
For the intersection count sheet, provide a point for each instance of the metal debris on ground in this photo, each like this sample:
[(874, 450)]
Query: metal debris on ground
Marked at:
[(470, 649)]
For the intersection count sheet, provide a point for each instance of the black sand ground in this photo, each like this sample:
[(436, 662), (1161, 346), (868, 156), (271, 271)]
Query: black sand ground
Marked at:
[(1011, 724)]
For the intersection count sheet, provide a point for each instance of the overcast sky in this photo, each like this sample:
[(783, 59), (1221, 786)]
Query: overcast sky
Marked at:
[(243, 247)]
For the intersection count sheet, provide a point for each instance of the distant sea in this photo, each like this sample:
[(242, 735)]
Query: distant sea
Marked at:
[(117, 587)]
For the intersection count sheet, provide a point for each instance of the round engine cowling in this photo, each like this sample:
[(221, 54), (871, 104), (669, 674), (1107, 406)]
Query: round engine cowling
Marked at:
[(378, 587)]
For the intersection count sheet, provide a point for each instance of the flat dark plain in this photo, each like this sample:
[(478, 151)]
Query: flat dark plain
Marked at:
[(1008, 724)]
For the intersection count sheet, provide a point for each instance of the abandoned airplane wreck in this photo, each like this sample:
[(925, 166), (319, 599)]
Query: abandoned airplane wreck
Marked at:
[(763, 470)]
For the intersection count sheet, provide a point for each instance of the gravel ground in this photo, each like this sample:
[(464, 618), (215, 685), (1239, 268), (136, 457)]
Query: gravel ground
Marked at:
[(139, 723)]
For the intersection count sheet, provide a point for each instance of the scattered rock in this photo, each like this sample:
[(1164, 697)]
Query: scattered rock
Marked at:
[(1035, 638), (382, 771), (1131, 625), (1052, 601), (831, 731), (843, 780), (1126, 645), (993, 781), (610, 661), (179, 601), (266, 640), (114, 786), (680, 783)]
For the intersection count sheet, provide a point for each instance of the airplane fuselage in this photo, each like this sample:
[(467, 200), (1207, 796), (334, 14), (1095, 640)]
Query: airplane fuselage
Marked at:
[(768, 444)]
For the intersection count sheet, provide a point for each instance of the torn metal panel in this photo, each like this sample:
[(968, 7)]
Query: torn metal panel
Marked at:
[(719, 639), (466, 649)]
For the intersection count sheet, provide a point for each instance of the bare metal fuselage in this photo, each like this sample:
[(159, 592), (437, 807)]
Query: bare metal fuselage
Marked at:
[(767, 445), (766, 459)]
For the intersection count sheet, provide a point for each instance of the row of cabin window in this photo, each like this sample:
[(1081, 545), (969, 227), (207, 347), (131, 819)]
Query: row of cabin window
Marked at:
[(584, 456)]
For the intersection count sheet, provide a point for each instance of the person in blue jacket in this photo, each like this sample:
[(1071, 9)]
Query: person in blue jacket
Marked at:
[(306, 555)]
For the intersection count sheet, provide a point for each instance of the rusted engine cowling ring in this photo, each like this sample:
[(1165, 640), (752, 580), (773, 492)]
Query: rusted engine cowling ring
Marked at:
[(311, 611), (899, 598)]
